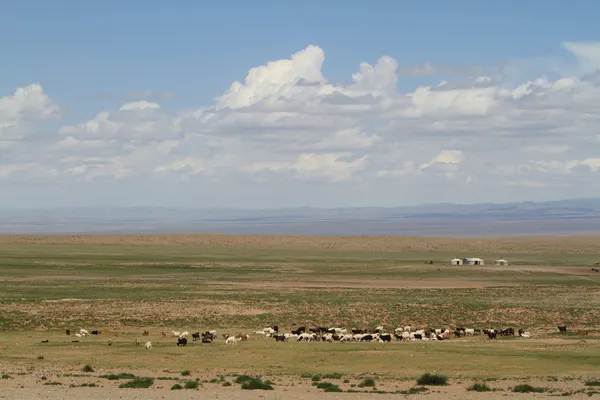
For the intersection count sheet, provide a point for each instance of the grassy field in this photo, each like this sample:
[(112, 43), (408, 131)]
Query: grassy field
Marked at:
[(124, 284)]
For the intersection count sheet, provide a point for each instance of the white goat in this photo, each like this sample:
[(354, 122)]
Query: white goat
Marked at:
[(148, 345)]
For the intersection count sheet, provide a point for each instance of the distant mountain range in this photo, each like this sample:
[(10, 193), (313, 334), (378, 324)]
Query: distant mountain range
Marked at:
[(566, 217)]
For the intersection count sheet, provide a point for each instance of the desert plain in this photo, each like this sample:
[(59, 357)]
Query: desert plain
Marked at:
[(125, 284)]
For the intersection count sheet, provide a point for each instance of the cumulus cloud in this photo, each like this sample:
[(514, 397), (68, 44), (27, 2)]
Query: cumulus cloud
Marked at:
[(21, 112), (287, 126)]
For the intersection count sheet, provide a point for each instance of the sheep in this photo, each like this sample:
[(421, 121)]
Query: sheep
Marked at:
[(145, 333), (110, 342), (231, 340), (137, 341), (78, 335), (469, 331), (164, 334), (83, 332), (184, 334), (148, 345), (176, 333)]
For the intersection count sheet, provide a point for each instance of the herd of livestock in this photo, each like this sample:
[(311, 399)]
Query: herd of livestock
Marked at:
[(332, 334)]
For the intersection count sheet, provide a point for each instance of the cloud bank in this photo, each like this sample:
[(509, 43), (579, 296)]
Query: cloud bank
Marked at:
[(286, 127)]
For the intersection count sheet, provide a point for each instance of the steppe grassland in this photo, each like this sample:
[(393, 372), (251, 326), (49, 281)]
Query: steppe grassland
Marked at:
[(124, 284)]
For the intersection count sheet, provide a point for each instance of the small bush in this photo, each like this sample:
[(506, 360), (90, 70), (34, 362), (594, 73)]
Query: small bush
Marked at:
[(83, 385), (528, 389), (432, 380), (88, 368), (116, 377), (5, 376), (226, 383), (335, 375), (214, 380), (52, 383), (249, 383), (479, 387), (592, 383), (242, 378), (315, 378), (305, 375), (191, 385), (43, 378), (414, 390), (329, 387), (176, 386), (185, 373), (367, 382), (346, 381), (40, 357), (137, 383)]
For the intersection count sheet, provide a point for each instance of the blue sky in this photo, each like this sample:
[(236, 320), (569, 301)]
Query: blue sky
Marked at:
[(88, 55), (78, 49)]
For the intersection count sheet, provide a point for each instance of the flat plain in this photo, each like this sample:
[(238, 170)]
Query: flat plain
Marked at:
[(124, 284)]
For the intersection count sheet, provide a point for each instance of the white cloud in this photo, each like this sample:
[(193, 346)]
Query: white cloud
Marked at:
[(287, 127), (20, 111), (445, 157)]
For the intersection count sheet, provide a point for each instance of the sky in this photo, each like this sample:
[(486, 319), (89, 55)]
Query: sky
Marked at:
[(272, 104)]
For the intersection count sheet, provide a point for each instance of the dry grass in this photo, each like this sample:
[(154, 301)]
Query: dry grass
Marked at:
[(553, 244)]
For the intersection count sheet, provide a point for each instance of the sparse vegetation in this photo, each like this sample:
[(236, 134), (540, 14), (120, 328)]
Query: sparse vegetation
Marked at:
[(138, 383), (525, 388), (479, 387), (176, 386), (191, 385), (226, 383), (52, 383), (115, 377), (367, 382), (328, 387), (5, 376), (87, 368), (414, 390), (250, 383), (72, 385), (428, 379), (594, 382), (300, 281)]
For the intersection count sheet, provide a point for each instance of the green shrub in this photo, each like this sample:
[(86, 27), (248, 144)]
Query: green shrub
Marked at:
[(116, 377), (214, 380), (432, 380), (52, 383), (176, 386), (226, 383), (249, 383), (315, 378), (242, 378), (527, 389), (367, 382), (414, 390), (191, 385), (185, 373), (328, 387), (592, 383), (5, 376), (335, 375), (479, 387), (137, 383), (88, 368)]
